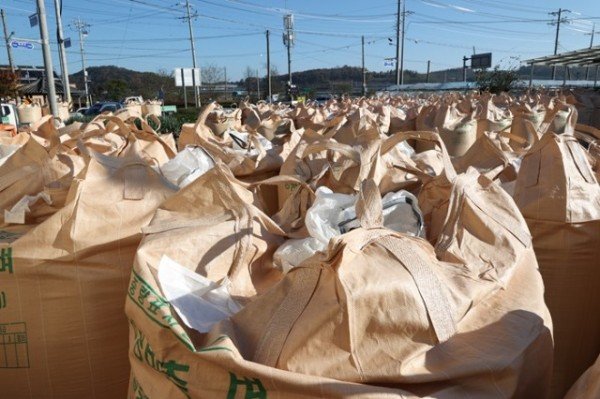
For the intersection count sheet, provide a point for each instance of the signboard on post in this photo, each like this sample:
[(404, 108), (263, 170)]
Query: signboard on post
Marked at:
[(33, 20), (21, 44), (186, 77), (481, 61)]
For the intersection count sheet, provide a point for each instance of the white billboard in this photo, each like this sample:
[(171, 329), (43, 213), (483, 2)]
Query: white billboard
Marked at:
[(184, 77)]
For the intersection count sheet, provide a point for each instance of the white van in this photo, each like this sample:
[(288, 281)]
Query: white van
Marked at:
[(8, 112)]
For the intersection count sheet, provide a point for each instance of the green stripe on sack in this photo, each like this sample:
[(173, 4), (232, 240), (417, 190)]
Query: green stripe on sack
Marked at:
[(151, 302), (141, 293)]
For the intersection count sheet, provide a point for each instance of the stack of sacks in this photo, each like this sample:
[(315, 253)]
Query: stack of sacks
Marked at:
[(559, 196), (373, 313), (74, 201)]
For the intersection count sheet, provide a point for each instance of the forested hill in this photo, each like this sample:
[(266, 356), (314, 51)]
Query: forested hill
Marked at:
[(111, 82)]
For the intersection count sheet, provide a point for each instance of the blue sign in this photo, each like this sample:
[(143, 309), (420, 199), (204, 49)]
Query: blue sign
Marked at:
[(33, 20), (21, 44)]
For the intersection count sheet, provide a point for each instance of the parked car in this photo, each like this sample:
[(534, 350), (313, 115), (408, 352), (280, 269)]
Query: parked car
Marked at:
[(138, 99), (99, 108), (79, 112), (9, 118)]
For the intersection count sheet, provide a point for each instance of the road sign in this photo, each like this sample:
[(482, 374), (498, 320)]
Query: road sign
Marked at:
[(184, 77), (480, 61), (21, 44), (389, 63), (33, 20), (67, 42)]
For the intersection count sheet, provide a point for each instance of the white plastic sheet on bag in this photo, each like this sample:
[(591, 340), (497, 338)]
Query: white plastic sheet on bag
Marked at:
[(199, 301), (405, 148), (187, 166), (16, 215), (333, 214), (242, 144)]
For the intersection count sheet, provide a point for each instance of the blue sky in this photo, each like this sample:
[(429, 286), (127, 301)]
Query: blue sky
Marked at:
[(148, 35)]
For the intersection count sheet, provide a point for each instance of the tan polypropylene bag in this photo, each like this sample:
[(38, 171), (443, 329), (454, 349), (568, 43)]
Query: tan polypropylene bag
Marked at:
[(30, 169), (559, 197), (63, 282), (457, 127), (381, 315), (217, 227), (588, 385), (218, 121), (491, 118)]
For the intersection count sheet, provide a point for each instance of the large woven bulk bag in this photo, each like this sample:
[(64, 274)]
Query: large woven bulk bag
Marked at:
[(588, 385), (29, 113), (118, 135), (64, 281), (559, 197), (63, 110), (217, 227), (492, 118), (29, 170), (561, 118), (522, 113), (457, 128), (134, 107), (151, 107), (458, 320), (219, 121), (275, 126), (590, 138), (487, 337), (403, 119), (319, 160)]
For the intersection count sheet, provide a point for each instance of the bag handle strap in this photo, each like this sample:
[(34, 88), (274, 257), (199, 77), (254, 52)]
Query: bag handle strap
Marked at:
[(331, 146), (369, 209), (301, 284), (422, 136), (577, 154), (278, 180), (429, 286)]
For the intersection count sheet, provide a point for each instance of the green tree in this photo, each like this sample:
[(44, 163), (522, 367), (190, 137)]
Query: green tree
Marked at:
[(116, 89), (8, 83), (497, 80)]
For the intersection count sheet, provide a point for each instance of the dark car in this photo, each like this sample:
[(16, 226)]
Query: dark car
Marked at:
[(99, 108)]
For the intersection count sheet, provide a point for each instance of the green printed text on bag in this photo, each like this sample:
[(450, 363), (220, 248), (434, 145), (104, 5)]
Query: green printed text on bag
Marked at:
[(254, 389)]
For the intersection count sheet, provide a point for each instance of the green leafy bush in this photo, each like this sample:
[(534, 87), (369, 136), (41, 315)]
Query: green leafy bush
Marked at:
[(497, 80)]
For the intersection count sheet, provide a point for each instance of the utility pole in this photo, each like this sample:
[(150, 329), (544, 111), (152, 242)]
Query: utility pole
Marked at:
[(559, 20), (428, 68), (189, 19), (257, 86), (225, 70), (269, 68), (364, 72), (289, 40), (398, 42), (587, 68), (8, 47), (404, 14), (61, 50), (82, 28), (41, 7)]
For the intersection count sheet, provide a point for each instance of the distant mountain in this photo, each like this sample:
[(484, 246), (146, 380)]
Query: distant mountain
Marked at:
[(114, 83)]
